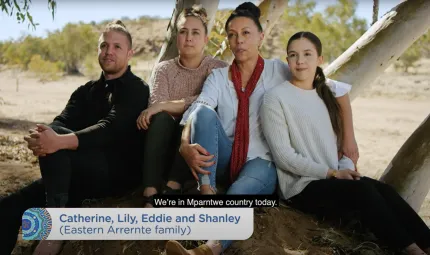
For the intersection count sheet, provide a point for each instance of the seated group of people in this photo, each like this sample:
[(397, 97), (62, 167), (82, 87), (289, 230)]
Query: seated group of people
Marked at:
[(251, 127)]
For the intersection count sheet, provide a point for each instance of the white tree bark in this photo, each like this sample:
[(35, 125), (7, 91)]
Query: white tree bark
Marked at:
[(364, 61), (169, 49), (271, 11), (409, 171), (381, 45)]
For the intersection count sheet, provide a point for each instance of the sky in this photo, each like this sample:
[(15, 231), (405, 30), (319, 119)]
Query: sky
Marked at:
[(99, 10)]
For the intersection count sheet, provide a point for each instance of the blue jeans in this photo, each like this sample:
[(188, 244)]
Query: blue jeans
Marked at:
[(257, 177)]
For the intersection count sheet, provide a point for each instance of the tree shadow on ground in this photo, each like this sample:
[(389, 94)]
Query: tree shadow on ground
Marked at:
[(16, 124)]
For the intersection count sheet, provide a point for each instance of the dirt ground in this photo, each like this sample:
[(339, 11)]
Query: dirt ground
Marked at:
[(384, 116)]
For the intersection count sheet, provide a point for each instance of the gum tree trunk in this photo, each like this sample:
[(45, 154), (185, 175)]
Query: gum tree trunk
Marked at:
[(364, 61), (381, 45), (409, 171)]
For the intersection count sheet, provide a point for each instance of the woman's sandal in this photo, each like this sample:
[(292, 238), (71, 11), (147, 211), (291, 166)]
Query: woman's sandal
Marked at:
[(148, 200), (169, 191), (176, 248), (166, 191)]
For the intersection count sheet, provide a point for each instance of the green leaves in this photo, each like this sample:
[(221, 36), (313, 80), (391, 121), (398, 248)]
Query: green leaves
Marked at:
[(45, 70), (76, 41), (52, 5), (65, 49), (421, 48), (337, 27), (21, 9)]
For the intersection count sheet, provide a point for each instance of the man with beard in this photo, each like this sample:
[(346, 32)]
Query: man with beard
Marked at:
[(90, 150)]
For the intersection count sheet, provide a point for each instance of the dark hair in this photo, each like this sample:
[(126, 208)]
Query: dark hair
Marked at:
[(118, 26), (248, 10), (195, 11), (324, 92)]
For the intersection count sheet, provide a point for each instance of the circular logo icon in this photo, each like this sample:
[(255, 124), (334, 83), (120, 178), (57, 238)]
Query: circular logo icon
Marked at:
[(36, 224)]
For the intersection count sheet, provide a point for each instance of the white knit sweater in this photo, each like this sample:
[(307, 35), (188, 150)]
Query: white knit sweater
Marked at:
[(297, 127)]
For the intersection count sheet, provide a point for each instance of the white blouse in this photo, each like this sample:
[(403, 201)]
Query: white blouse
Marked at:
[(218, 91)]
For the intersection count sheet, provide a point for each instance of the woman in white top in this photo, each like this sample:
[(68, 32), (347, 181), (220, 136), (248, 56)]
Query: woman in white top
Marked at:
[(302, 123), (222, 138)]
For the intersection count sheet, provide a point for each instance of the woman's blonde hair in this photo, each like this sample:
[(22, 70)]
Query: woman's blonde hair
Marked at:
[(195, 11)]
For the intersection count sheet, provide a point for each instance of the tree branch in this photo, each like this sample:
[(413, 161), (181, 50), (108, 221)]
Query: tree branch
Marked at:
[(375, 11), (22, 10)]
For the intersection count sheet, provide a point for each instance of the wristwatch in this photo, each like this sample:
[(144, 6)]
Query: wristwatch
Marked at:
[(334, 174)]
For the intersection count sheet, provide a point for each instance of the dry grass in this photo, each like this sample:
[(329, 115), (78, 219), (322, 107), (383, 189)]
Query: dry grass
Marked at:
[(276, 231)]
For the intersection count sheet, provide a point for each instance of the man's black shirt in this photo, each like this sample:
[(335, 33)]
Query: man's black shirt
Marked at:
[(103, 114)]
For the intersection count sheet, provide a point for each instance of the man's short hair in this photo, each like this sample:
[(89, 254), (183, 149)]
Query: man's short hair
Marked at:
[(118, 26)]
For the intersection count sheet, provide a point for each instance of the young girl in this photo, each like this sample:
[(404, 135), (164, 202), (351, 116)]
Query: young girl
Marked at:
[(176, 84), (302, 123)]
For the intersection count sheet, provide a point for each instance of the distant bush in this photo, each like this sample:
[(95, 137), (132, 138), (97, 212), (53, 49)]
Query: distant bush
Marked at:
[(72, 45), (420, 49), (3, 48), (408, 59), (69, 46), (45, 70), (75, 45), (19, 53), (91, 67), (338, 26), (148, 18)]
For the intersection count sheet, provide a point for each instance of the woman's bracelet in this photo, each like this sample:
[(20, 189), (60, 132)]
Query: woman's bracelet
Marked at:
[(334, 174)]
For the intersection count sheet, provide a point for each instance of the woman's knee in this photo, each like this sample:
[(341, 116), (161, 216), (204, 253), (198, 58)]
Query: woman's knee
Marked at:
[(260, 169), (257, 177), (247, 185), (204, 115), (160, 131), (162, 117), (161, 120), (386, 188), (380, 186), (365, 192)]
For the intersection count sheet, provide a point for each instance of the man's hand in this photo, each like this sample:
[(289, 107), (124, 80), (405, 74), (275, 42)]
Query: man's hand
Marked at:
[(33, 143), (43, 140), (196, 157), (144, 118)]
